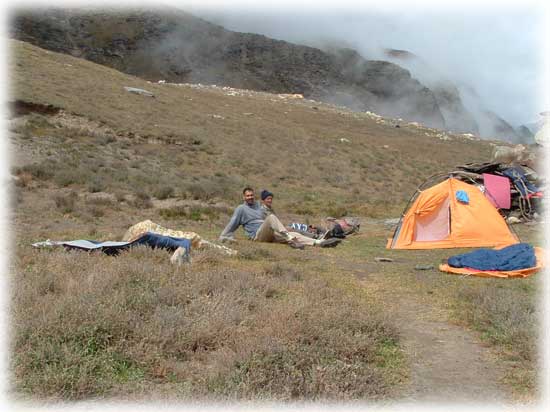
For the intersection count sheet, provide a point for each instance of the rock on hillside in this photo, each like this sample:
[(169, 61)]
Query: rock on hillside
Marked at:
[(494, 125), (174, 46), (525, 135), (457, 117), (391, 89)]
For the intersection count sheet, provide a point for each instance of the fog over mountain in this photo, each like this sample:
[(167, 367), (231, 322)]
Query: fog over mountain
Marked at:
[(492, 54)]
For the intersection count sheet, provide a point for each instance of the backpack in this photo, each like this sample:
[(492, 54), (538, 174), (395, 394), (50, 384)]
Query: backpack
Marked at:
[(342, 227)]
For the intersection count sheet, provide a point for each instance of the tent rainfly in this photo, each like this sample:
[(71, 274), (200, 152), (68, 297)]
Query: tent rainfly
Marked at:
[(451, 214)]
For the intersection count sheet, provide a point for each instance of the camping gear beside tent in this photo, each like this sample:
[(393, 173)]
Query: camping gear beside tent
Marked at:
[(152, 240), (335, 228), (342, 227), (529, 194), (437, 219), (520, 181), (525, 186), (497, 190), (517, 273)]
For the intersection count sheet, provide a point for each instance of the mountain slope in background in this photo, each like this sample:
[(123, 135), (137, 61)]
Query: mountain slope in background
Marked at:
[(461, 106), (299, 147), (171, 45), (174, 46)]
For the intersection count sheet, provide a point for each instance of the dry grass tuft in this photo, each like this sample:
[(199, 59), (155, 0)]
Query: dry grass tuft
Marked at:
[(89, 325), (66, 202), (506, 317)]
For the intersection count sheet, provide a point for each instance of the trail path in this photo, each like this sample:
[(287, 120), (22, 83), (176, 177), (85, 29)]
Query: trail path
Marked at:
[(448, 363)]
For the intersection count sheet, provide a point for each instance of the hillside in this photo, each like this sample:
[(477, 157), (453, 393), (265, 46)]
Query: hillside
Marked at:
[(89, 159), (171, 45), (209, 137)]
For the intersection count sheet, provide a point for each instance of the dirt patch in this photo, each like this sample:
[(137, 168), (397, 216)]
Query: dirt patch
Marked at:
[(20, 108), (448, 363)]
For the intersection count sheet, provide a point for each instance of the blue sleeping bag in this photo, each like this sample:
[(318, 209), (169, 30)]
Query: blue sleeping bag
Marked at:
[(514, 257)]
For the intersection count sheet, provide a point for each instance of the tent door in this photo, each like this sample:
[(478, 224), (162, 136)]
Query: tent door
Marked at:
[(435, 226)]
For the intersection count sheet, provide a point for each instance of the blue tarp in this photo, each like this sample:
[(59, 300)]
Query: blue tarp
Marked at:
[(514, 257)]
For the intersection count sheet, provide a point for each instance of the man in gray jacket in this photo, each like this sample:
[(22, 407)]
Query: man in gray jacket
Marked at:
[(250, 215)]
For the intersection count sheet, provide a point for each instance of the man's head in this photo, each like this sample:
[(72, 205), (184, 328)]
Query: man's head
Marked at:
[(267, 197), (248, 195)]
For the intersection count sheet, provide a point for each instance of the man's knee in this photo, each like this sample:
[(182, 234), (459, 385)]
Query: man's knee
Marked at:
[(274, 222), (271, 218)]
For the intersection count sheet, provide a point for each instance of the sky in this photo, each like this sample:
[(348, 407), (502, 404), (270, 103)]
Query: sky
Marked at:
[(491, 48)]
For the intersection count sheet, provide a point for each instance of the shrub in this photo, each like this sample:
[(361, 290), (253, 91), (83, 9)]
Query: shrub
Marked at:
[(66, 202), (214, 187), (336, 210), (164, 192), (252, 251), (16, 196), (40, 171), (100, 201), (196, 213), (283, 271), (96, 185), (96, 211), (120, 196), (24, 179), (64, 178), (175, 212), (142, 200)]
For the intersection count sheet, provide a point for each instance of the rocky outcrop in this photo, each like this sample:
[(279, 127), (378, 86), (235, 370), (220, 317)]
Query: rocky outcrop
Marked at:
[(525, 135), (457, 118), (493, 125)]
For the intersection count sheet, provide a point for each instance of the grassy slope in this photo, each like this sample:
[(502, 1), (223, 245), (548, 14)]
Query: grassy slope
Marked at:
[(118, 322), (291, 148)]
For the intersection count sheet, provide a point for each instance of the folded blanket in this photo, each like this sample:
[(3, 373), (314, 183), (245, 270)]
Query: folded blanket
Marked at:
[(514, 257)]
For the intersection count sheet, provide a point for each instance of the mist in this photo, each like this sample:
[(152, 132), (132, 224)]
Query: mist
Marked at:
[(493, 56)]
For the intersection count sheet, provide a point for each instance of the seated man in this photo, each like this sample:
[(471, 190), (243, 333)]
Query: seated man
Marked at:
[(251, 216), (267, 203)]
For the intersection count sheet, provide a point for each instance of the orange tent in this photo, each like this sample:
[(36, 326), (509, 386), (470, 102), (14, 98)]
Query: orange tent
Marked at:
[(438, 219)]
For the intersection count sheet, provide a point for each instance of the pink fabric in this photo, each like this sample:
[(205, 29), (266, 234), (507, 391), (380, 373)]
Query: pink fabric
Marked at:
[(497, 190)]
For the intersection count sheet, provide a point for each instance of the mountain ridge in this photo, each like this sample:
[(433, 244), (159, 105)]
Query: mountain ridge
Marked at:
[(178, 47)]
